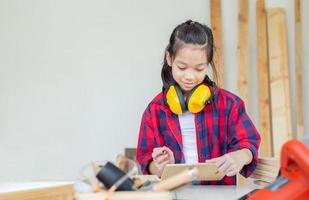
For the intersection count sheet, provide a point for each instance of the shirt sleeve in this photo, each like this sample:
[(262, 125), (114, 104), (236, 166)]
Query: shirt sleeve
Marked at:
[(146, 142), (243, 134)]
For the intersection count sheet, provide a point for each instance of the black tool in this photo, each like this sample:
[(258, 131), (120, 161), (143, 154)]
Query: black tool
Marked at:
[(110, 174)]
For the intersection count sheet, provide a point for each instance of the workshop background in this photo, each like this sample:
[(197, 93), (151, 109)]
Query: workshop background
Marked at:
[(76, 76)]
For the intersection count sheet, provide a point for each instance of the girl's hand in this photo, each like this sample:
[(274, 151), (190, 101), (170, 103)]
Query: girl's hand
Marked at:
[(161, 157), (231, 163)]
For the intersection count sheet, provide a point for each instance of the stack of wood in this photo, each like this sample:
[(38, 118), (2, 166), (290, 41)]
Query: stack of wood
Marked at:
[(267, 171)]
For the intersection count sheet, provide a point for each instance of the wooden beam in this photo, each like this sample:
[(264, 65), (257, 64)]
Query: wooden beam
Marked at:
[(242, 49), (299, 71), (242, 58), (264, 95), (216, 26), (279, 78)]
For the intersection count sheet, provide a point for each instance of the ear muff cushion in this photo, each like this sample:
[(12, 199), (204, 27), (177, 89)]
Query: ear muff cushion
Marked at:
[(175, 101), (197, 98), (181, 99)]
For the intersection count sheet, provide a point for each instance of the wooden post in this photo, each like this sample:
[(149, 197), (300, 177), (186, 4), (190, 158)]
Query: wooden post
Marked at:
[(279, 78), (216, 26), (299, 71), (242, 58), (264, 99)]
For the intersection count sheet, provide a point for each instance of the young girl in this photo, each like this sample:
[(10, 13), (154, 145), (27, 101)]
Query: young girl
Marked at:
[(192, 120)]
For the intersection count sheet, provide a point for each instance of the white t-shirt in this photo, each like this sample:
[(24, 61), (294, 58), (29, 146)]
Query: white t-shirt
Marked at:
[(188, 132)]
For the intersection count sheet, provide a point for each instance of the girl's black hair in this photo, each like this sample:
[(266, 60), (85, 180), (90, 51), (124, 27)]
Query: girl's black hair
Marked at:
[(189, 32)]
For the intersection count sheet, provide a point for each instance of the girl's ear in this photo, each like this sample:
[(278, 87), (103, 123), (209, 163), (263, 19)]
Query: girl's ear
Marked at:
[(168, 59)]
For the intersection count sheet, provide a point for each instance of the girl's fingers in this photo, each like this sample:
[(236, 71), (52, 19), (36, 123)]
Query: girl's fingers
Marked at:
[(163, 164), (169, 153), (162, 156), (157, 152), (217, 161), (232, 168), (225, 164), (231, 172), (224, 167), (162, 159), (167, 150), (221, 162), (162, 153)]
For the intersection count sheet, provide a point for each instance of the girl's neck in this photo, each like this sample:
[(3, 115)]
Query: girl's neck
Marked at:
[(185, 95)]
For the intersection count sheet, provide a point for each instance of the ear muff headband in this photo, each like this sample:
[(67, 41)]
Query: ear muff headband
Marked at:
[(175, 100), (197, 98)]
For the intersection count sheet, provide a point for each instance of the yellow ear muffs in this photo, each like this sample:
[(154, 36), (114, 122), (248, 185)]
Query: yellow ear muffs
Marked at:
[(175, 100), (197, 98)]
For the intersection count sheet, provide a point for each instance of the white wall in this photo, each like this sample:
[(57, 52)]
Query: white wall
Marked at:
[(75, 77)]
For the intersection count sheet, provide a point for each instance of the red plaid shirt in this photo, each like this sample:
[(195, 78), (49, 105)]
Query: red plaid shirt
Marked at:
[(223, 126)]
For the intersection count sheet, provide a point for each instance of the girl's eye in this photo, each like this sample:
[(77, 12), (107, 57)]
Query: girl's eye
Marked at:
[(200, 69), (181, 67)]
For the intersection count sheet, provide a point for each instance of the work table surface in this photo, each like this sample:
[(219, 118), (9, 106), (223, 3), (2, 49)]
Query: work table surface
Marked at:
[(195, 192)]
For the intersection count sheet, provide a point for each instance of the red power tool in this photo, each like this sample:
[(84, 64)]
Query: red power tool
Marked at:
[(293, 182)]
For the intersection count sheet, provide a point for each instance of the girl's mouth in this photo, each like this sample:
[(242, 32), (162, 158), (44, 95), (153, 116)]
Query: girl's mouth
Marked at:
[(188, 85)]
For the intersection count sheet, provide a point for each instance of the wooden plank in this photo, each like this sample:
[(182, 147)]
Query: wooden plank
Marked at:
[(266, 173), (268, 168), (216, 26), (279, 78), (264, 178), (242, 58), (299, 71), (270, 161), (63, 192), (261, 183), (264, 96)]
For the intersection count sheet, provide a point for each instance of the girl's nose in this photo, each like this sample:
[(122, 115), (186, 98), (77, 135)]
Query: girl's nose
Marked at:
[(189, 76)]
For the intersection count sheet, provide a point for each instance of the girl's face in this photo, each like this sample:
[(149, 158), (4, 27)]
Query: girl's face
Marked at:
[(189, 66)]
